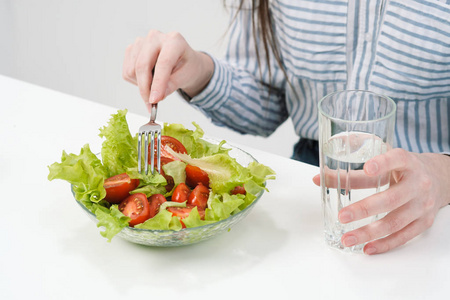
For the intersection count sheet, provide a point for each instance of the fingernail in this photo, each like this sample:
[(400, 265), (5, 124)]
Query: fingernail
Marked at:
[(371, 168), (345, 217), (349, 241), (370, 251), (154, 97)]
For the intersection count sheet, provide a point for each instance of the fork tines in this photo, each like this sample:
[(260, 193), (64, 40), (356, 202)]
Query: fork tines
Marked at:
[(150, 130)]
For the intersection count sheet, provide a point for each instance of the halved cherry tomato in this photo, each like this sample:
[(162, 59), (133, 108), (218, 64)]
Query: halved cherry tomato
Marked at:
[(195, 175), (183, 212), (155, 202), (199, 197), (136, 207), (181, 193), (171, 142), (238, 190), (118, 187)]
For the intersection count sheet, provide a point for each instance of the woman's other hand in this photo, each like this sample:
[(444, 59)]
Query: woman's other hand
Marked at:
[(420, 186)]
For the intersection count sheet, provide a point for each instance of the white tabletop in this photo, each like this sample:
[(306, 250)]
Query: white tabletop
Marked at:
[(51, 250)]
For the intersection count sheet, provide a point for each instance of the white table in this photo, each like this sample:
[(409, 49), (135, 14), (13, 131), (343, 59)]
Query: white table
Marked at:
[(51, 250)]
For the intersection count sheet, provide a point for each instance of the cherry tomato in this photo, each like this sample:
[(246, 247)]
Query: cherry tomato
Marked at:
[(118, 187), (181, 193), (155, 202), (183, 212), (195, 175), (171, 142), (199, 197), (238, 190), (136, 207)]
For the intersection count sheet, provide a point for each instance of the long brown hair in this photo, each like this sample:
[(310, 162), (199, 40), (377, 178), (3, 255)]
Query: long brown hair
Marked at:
[(262, 24)]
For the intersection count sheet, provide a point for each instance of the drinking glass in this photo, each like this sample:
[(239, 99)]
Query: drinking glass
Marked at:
[(354, 126)]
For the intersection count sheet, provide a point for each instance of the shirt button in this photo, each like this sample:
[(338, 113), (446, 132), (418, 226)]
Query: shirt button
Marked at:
[(368, 37)]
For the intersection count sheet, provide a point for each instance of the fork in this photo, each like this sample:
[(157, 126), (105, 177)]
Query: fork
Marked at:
[(153, 130)]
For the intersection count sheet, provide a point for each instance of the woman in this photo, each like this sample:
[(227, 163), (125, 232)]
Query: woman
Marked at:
[(284, 56)]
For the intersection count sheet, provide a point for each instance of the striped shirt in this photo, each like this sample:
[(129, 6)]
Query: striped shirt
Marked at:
[(397, 48)]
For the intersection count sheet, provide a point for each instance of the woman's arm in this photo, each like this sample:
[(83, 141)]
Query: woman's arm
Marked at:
[(234, 92)]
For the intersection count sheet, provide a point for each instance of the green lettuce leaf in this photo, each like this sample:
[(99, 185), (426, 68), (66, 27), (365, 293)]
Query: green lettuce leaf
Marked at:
[(192, 140), (187, 137), (224, 171), (193, 220), (149, 190), (111, 219), (176, 169), (148, 184), (163, 220), (84, 171), (261, 173), (222, 206), (119, 149)]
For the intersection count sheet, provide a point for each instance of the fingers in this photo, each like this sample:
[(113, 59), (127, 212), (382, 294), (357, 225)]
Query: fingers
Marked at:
[(411, 202), (393, 222), (382, 202), (170, 55), (392, 198), (316, 180), (145, 63), (151, 61), (395, 159), (376, 172), (394, 230), (159, 64), (398, 238), (353, 179)]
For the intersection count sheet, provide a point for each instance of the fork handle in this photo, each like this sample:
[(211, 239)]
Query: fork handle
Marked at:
[(153, 112)]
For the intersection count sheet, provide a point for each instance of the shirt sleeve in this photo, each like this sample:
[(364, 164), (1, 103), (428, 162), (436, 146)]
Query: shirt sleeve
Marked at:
[(240, 94)]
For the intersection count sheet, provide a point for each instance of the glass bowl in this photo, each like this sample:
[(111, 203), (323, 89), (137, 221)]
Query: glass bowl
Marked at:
[(188, 236)]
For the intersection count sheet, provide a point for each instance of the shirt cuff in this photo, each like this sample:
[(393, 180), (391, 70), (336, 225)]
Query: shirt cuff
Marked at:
[(218, 90)]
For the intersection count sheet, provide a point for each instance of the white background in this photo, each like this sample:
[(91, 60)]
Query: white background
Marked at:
[(77, 47)]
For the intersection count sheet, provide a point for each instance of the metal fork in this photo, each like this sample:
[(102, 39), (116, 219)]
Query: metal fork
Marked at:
[(153, 130)]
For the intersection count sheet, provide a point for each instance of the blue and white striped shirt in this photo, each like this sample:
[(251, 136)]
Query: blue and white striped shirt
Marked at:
[(397, 48)]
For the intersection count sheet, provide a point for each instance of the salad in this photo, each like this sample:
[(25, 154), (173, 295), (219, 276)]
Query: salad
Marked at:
[(199, 183)]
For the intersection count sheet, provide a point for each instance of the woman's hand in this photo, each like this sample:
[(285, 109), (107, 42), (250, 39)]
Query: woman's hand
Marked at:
[(420, 186), (159, 64)]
